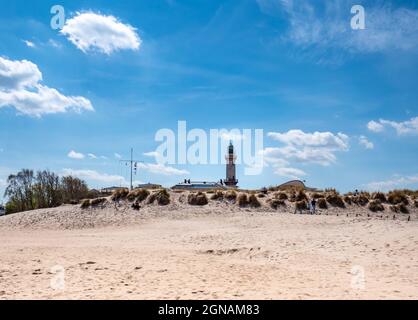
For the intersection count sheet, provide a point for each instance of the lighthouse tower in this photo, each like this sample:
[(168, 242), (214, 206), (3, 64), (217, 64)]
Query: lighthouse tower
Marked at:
[(230, 180)]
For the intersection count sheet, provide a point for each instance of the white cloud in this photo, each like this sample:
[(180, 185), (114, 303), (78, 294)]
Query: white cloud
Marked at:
[(365, 142), (30, 44), (117, 156), (232, 136), (153, 154), (394, 183), (162, 169), (317, 147), (3, 183), (327, 26), (92, 156), (375, 126), (408, 127), (75, 155), (94, 32), (20, 88), (94, 176), (291, 173)]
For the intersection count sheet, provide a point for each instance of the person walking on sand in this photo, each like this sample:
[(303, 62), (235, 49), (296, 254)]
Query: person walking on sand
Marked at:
[(313, 206)]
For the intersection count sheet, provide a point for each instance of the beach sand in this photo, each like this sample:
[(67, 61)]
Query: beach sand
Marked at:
[(214, 252)]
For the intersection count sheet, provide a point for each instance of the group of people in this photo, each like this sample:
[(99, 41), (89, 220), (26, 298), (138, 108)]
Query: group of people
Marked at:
[(311, 207)]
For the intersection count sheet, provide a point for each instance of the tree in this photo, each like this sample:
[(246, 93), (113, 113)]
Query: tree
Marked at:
[(20, 190), (73, 189)]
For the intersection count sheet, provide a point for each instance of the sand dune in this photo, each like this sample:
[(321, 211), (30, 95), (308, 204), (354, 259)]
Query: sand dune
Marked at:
[(215, 252)]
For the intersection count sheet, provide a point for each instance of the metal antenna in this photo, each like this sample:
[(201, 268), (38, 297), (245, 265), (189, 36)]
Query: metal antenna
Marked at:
[(131, 162)]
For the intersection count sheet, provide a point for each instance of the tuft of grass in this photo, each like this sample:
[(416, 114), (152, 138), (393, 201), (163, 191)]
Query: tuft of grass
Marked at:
[(301, 196), (161, 196), (376, 205), (317, 195), (360, 200), (281, 196), (348, 200), (301, 205), (242, 200), (261, 195), (379, 196), (335, 200), (197, 199), (98, 201), (231, 195), (322, 203), (416, 203), (403, 208), (85, 203), (399, 208), (120, 194), (218, 195), (276, 203), (398, 197), (138, 195), (253, 201)]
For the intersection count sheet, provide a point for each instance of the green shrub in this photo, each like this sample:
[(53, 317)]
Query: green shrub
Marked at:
[(379, 196), (231, 195), (301, 196), (281, 196), (376, 205), (218, 195), (253, 201), (242, 200), (335, 200), (197, 199), (98, 201), (322, 203), (138, 195), (398, 197), (120, 194), (85, 204), (360, 200), (403, 208), (348, 200), (276, 203), (161, 196), (301, 205)]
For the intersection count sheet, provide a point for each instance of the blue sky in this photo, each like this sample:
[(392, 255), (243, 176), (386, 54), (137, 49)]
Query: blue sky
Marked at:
[(340, 104)]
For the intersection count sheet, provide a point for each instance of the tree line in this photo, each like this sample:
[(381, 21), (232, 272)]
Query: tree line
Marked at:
[(27, 190)]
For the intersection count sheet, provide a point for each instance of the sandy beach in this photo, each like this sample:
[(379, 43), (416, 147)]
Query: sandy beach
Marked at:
[(212, 252)]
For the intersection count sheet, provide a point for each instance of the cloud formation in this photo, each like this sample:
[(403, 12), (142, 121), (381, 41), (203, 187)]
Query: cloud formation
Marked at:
[(21, 88), (291, 173), (394, 183), (317, 147), (75, 155), (156, 168), (93, 175), (408, 127), (90, 31), (363, 141), (327, 25)]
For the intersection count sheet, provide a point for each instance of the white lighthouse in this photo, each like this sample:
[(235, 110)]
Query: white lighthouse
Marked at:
[(231, 179)]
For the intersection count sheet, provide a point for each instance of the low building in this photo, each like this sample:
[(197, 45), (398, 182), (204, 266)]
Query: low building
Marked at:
[(149, 186), (110, 189), (198, 186)]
